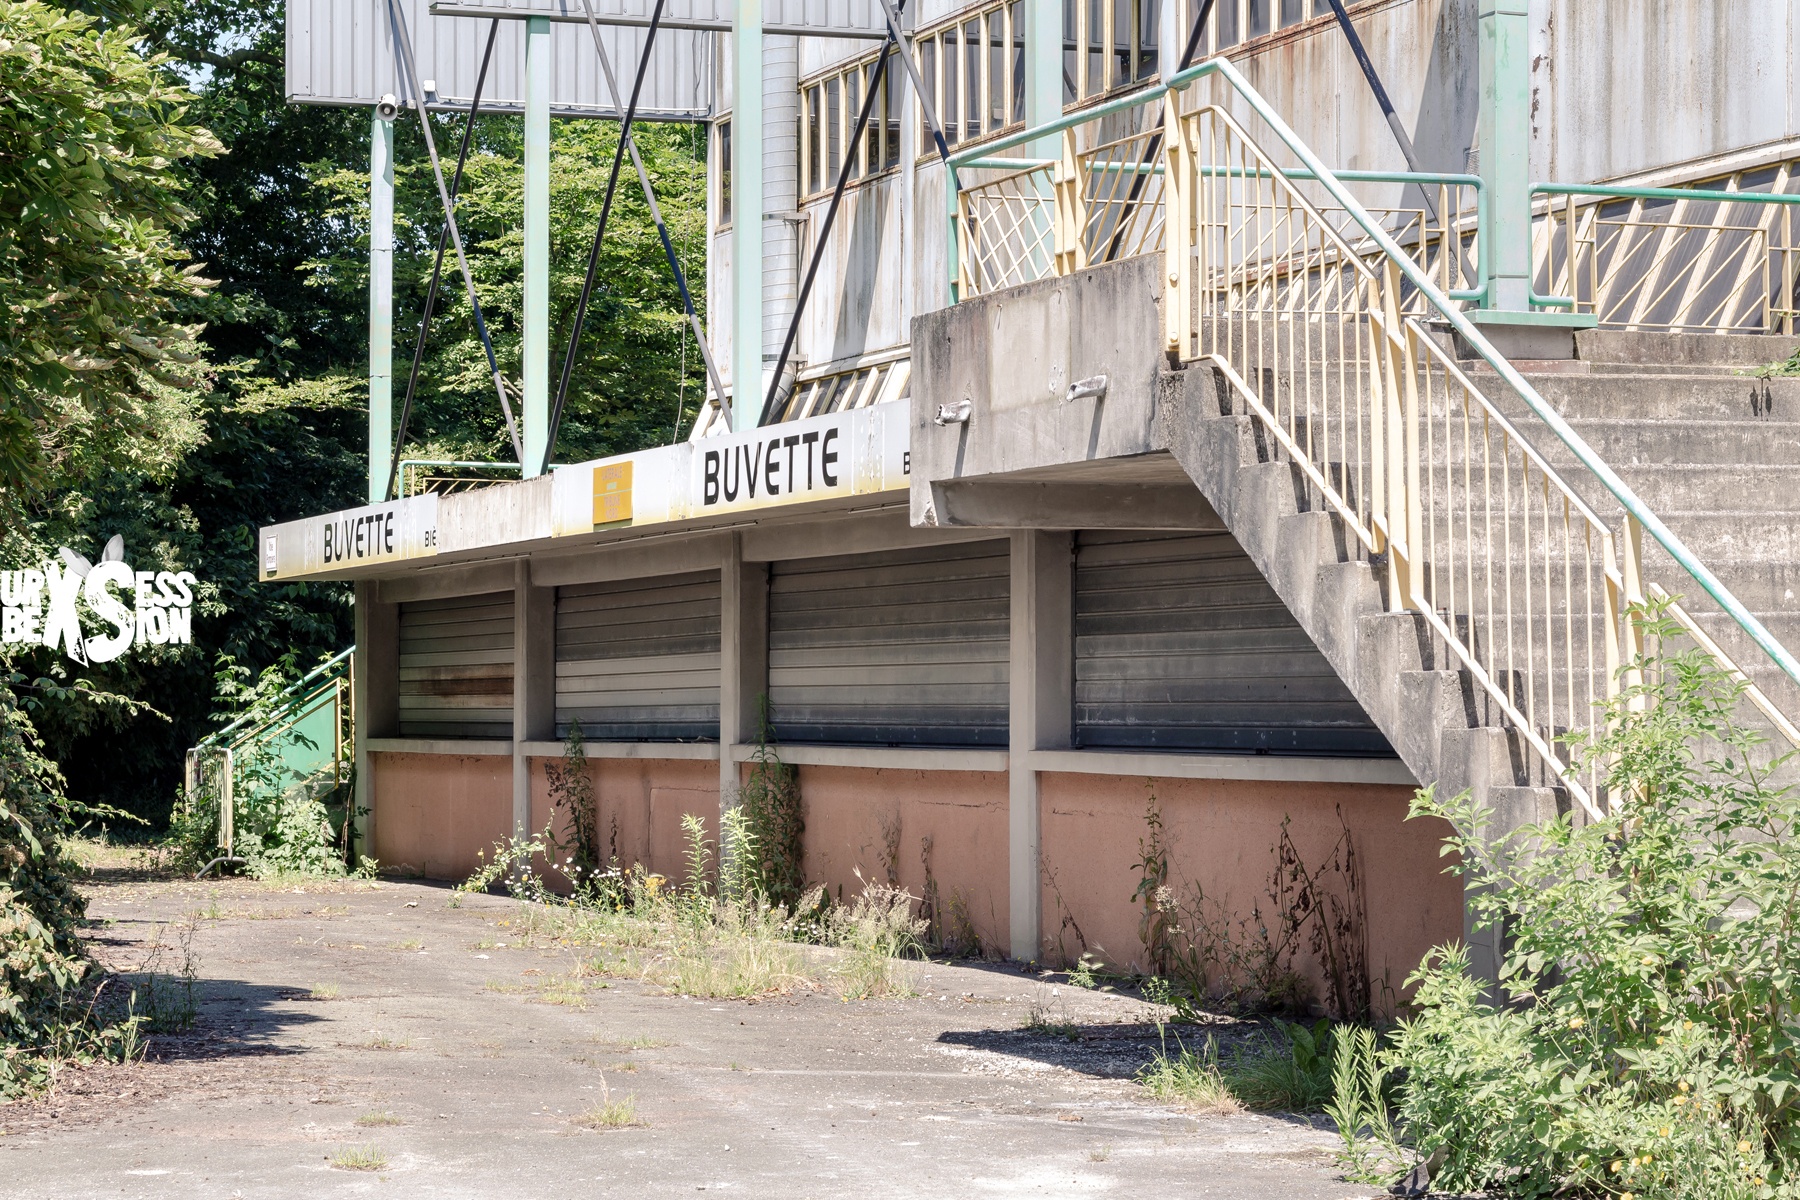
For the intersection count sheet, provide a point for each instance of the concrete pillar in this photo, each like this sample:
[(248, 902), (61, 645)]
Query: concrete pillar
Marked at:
[(381, 305), (1504, 31), (743, 660), (536, 348), (375, 693), (1042, 684), (534, 683), (746, 214)]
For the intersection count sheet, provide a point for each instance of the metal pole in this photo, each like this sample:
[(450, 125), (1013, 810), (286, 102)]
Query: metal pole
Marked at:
[(381, 302), (1503, 31), (1043, 70), (536, 349), (747, 214)]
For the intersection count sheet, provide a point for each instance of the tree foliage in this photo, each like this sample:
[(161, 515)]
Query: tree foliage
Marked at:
[(266, 421), (93, 372)]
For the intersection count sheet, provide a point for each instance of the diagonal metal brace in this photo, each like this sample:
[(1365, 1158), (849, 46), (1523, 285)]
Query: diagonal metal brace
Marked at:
[(662, 229), (397, 20)]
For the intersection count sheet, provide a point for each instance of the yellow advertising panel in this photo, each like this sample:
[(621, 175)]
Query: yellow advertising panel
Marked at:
[(612, 493)]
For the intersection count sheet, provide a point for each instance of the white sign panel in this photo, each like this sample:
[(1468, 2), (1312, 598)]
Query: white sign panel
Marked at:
[(842, 454), (375, 533), (343, 52)]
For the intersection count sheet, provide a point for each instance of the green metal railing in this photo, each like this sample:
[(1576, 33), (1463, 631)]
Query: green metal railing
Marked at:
[(1262, 266), (306, 733), (986, 157), (1662, 253)]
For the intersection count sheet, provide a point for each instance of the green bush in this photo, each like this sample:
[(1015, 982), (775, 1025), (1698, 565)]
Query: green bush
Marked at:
[(1645, 1038), (46, 1001)]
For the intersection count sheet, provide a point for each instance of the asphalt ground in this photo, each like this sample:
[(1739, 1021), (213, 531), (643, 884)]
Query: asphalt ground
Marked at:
[(470, 1068)]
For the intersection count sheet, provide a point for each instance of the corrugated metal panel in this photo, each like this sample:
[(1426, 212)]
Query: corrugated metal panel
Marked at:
[(897, 648), (456, 667), (812, 18), (342, 52), (638, 660), (1181, 644)]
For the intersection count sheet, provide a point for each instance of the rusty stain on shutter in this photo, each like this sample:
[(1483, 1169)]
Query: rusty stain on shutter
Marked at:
[(456, 667)]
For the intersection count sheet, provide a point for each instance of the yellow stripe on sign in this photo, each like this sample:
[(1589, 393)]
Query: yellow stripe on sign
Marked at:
[(612, 493)]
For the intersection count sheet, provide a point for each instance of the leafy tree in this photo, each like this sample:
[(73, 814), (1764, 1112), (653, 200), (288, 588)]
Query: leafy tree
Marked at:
[(92, 364), (639, 379)]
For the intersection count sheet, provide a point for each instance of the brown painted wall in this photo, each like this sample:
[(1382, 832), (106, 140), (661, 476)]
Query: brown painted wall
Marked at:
[(874, 820), (434, 811), (1222, 835), (641, 803)]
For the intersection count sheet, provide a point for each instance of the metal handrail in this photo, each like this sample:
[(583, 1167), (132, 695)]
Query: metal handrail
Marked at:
[(984, 157), (1375, 278), (1476, 340), (1606, 191), (340, 657)]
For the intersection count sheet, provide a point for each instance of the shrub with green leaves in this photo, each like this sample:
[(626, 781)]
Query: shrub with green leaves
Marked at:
[(46, 1001), (1644, 1040)]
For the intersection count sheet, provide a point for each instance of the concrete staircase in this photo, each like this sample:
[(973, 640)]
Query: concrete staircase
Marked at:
[(1715, 452)]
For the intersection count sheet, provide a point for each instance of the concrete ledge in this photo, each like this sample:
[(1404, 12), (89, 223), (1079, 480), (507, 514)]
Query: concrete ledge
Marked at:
[(402, 745), (895, 758), (1285, 769), (706, 751)]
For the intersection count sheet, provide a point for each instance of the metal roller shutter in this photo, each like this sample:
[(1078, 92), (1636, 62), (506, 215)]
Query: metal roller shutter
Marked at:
[(896, 648), (1181, 644), (638, 660), (456, 667)]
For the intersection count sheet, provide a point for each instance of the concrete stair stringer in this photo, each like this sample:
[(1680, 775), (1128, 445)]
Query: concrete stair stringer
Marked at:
[(1441, 726)]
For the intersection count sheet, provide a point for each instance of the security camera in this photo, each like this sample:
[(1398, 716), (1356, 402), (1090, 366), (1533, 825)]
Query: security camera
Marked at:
[(387, 107)]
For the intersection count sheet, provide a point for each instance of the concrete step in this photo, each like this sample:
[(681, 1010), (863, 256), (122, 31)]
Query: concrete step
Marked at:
[(1651, 397), (1688, 349)]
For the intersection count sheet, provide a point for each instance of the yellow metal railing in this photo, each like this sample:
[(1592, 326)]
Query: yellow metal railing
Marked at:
[(1684, 260), (1329, 325)]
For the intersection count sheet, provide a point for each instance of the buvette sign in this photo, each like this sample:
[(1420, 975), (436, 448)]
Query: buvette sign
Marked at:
[(841, 454), (374, 533), (838, 455), (45, 606)]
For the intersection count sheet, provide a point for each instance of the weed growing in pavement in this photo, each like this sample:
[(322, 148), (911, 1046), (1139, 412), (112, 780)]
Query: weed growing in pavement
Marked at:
[(717, 934), (877, 930), (1099, 1154), (372, 1120), (324, 991), (162, 989), (1290, 1071), (1194, 1081), (360, 1158), (611, 1114)]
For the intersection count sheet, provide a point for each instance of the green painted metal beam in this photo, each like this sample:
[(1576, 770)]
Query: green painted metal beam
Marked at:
[(536, 350), (746, 215), (381, 304), (1503, 31)]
